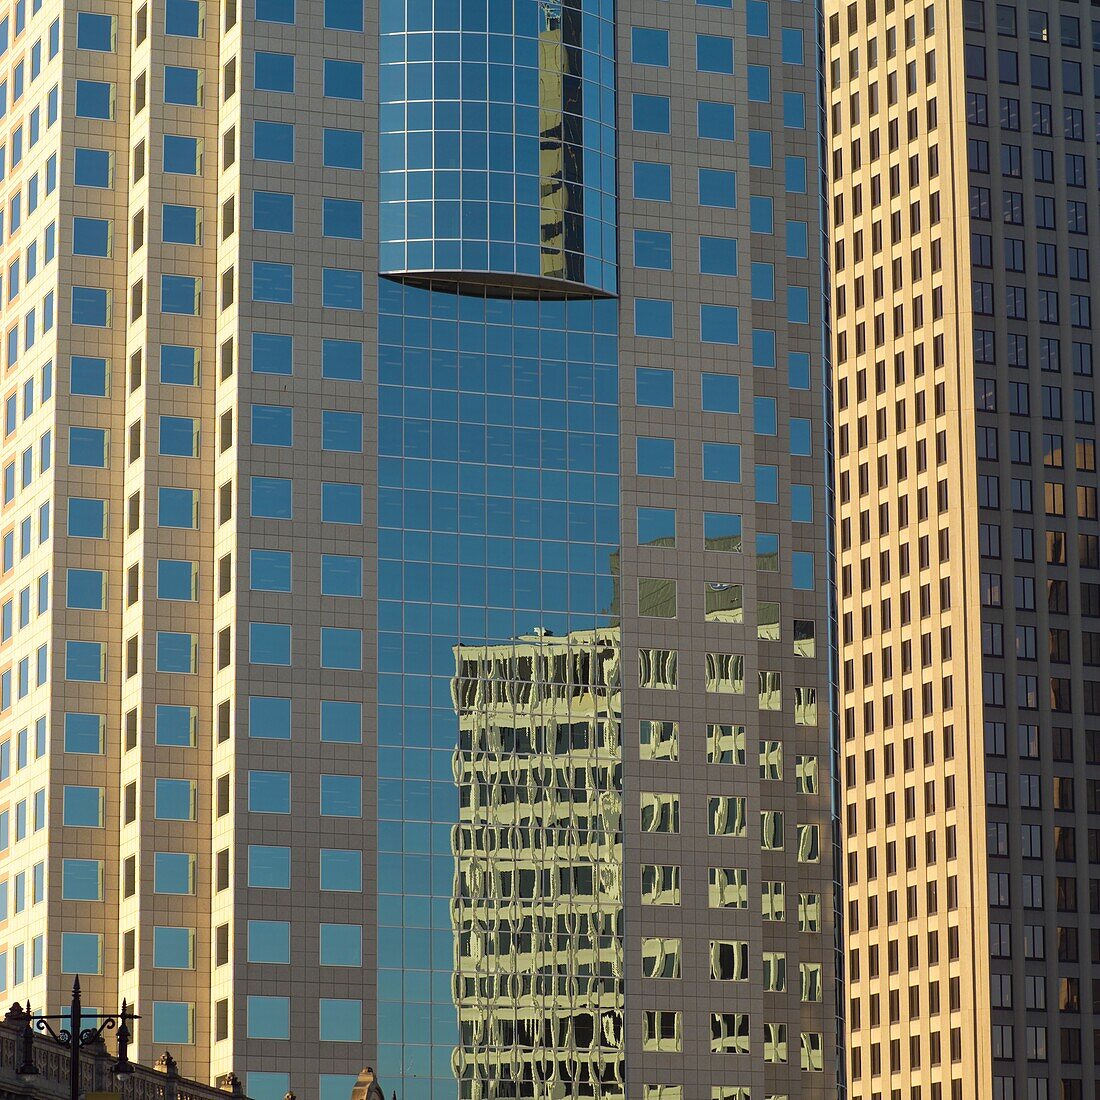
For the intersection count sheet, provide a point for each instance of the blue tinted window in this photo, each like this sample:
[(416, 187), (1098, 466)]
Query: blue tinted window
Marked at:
[(179, 224), (269, 643), (650, 113), (794, 110), (716, 120), (176, 725), (269, 867), (269, 717), (802, 571), (88, 447), (272, 282), (652, 181), (342, 218), (341, 431), (722, 531), (760, 214), (87, 518), (273, 211), (268, 1017), (179, 436), (802, 503), (275, 11), (177, 508), (273, 141), (95, 32), (183, 18), (798, 305), (721, 393), (273, 425), (341, 796), (88, 376), (341, 869), (763, 282), (269, 570), (91, 306), (274, 72), (341, 648), (801, 437), (272, 353), (180, 294), (798, 244), (341, 575), (656, 457), (341, 722), (718, 255), (648, 47), (181, 155), (84, 733), (767, 484), (91, 237), (344, 15), (653, 387), (342, 359), (760, 84), (719, 324), (343, 79), (764, 416), (722, 462), (343, 149), (92, 168), (656, 527), (714, 54), (95, 99), (798, 370), (269, 941), (341, 503), (653, 317), (760, 148), (179, 366), (341, 289), (717, 188), (757, 12), (795, 168), (182, 86), (653, 249), (793, 50), (763, 348)]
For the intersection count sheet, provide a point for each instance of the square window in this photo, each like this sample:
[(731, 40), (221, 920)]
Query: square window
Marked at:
[(175, 725), (272, 498), (268, 867), (656, 457), (272, 353), (173, 1022), (341, 648), (657, 527), (722, 462), (269, 717), (341, 1021), (341, 869), (341, 722), (652, 181), (274, 72)]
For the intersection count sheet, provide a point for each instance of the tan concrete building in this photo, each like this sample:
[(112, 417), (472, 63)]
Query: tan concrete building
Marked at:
[(962, 193), (338, 338)]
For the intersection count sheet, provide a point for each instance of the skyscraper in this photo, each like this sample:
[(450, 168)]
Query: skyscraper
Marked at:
[(963, 200), (417, 546)]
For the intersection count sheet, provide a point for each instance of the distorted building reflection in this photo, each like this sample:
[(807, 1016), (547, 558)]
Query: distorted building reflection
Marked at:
[(537, 910)]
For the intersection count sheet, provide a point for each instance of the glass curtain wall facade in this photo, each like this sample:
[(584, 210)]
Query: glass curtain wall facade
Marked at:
[(964, 212), (414, 606)]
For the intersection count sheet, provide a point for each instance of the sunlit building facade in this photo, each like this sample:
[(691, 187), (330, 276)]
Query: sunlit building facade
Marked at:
[(415, 596), (963, 161)]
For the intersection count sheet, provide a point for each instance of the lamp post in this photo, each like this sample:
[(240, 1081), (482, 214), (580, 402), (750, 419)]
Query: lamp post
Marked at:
[(76, 1036)]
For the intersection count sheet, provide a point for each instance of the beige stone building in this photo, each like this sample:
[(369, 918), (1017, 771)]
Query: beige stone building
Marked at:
[(962, 194)]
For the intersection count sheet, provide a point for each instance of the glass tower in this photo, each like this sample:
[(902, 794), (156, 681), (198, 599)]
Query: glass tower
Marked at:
[(491, 744)]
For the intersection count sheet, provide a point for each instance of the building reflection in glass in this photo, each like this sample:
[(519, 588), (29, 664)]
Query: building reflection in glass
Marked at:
[(498, 514), (537, 910)]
